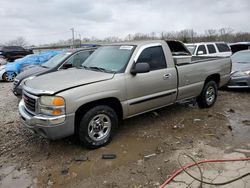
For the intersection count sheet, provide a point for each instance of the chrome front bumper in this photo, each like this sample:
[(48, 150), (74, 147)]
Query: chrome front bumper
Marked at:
[(47, 126)]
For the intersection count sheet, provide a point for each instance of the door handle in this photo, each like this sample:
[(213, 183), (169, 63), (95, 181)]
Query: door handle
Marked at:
[(167, 76)]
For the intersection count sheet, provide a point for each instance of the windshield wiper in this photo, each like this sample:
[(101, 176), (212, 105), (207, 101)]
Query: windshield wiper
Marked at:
[(96, 68), (101, 69), (43, 66), (82, 67)]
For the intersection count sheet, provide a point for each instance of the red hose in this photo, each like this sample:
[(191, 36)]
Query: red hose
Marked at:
[(200, 162)]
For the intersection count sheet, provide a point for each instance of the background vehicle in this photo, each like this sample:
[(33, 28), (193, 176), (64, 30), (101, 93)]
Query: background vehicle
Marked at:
[(117, 82), (219, 49), (64, 60), (14, 52), (240, 76), (9, 71), (3, 61), (235, 47)]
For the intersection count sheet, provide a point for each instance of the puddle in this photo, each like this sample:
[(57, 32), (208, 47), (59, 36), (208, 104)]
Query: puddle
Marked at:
[(11, 177), (240, 132)]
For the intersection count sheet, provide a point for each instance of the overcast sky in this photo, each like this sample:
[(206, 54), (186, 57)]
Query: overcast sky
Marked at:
[(45, 21)]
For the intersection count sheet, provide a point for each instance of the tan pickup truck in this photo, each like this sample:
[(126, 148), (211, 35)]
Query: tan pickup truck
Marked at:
[(116, 82)]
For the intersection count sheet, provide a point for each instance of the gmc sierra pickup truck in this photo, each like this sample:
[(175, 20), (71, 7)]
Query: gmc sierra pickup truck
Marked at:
[(116, 82)]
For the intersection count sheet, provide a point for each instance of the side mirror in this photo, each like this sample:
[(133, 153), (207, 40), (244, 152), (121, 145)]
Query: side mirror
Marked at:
[(200, 53), (67, 66), (140, 68)]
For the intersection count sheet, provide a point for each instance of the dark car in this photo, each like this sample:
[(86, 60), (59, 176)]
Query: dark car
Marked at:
[(62, 61), (240, 76), (235, 47), (10, 53)]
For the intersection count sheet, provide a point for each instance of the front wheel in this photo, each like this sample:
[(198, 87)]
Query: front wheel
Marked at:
[(9, 76), (97, 126), (208, 95)]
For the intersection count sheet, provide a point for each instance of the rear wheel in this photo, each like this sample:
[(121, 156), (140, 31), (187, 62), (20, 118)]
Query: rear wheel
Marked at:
[(9, 76), (208, 95), (97, 126)]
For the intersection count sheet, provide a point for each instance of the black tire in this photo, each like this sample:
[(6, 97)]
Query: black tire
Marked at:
[(90, 138), (9, 76), (208, 95)]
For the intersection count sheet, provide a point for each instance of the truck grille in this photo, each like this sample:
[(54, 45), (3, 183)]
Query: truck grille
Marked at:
[(29, 102)]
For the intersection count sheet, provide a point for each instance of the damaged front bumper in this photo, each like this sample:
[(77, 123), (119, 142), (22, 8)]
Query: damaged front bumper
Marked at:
[(52, 127)]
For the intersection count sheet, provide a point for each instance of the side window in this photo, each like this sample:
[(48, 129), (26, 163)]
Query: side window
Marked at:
[(222, 47), (80, 58), (154, 56), (201, 48), (211, 49), (77, 59)]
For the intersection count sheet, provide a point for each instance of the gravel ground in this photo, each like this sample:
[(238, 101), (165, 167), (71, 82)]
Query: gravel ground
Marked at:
[(146, 146)]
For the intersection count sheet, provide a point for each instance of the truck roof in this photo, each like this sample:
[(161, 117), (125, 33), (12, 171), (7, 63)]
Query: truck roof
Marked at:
[(198, 43), (79, 49), (137, 43)]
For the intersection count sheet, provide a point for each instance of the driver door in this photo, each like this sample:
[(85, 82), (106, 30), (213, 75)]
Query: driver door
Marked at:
[(154, 89)]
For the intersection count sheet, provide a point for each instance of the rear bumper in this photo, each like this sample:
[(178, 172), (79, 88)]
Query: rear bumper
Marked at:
[(47, 126), (239, 82)]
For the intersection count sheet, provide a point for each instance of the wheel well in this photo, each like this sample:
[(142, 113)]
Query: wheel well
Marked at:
[(112, 102), (214, 77)]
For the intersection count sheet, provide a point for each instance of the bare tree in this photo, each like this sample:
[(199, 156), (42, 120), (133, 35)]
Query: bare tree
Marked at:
[(19, 41)]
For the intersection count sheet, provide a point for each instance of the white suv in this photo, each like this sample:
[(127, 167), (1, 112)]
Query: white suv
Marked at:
[(219, 49)]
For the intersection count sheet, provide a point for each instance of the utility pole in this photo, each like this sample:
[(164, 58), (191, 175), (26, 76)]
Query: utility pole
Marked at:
[(80, 37), (73, 37)]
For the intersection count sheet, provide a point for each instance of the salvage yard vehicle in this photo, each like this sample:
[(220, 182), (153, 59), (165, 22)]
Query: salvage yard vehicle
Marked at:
[(240, 76), (14, 52), (238, 46), (64, 60), (9, 71), (3, 60), (218, 49), (116, 82)]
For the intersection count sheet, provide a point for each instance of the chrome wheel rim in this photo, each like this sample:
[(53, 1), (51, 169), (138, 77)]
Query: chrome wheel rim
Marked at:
[(99, 127), (210, 95), (10, 76)]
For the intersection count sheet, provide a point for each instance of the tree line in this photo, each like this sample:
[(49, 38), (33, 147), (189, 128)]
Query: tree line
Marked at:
[(186, 36)]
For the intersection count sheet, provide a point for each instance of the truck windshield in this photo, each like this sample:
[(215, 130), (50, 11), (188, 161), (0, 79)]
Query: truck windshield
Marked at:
[(191, 48), (54, 61), (109, 58)]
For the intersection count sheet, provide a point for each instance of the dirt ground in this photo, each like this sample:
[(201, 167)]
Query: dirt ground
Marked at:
[(146, 146)]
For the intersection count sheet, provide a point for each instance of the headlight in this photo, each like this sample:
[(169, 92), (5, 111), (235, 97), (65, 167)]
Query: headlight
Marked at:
[(52, 105), (241, 73), (25, 79)]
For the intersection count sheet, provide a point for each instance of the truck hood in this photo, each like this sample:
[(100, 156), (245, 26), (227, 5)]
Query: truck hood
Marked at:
[(56, 82)]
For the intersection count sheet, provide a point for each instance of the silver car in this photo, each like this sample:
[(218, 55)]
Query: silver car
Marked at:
[(240, 75)]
